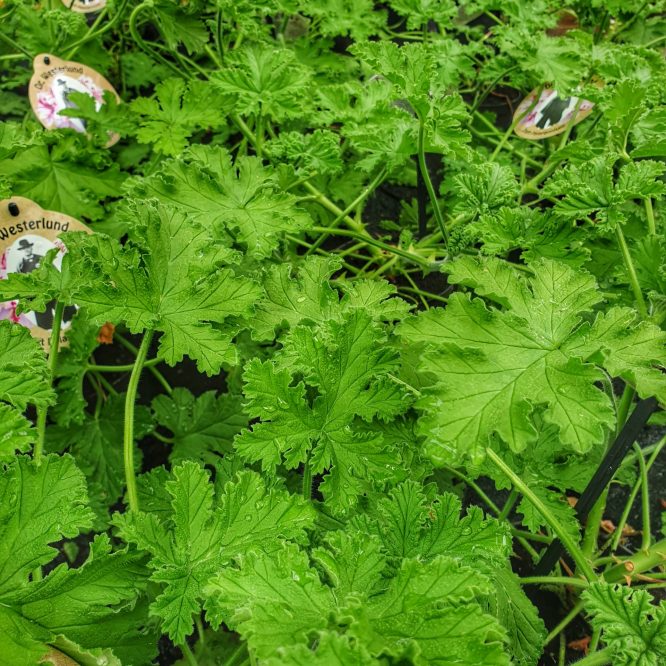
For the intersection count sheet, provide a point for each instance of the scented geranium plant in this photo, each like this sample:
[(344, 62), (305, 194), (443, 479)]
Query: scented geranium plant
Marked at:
[(345, 345)]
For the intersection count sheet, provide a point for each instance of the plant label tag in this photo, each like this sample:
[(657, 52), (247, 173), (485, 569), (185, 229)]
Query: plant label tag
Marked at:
[(53, 80), (27, 233), (550, 115), (84, 6)]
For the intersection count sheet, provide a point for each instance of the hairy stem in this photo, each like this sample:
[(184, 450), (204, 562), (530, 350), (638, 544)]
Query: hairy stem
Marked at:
[(428, 183), (565, 622), (581, 561), (649, 213), (42, 412), (600, 658), (307, 479), (617, 535), (631, 271), (128, 434), (374, 184), (645, 500)]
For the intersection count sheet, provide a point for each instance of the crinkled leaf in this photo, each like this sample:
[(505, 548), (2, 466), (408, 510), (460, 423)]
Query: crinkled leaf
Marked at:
[(202, 427), (167, 279), (242, 201), (204, 532), (493, 367), (39, 505), (631, 626)]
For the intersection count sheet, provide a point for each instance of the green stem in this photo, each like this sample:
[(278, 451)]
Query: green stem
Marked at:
[(325, 202), (581, 561), (259, 136), (128, 436), (42, 412), (600, 658), (153, 371), (374, 184), (425, 173), (593, 525), (369, 240), (15, 45), (509, 504), (549, 168), (645, 500), (565, 621), (122, 368), (307, 479), (617, 535), (142, 44), (512, 126), (188, 654), (553, 580), (631, 271), (623, 408), (638, 563), (649, 213)]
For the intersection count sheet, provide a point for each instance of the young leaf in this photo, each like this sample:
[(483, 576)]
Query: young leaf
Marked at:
[(307, 295), (264, 81), (427, 604), (409, 524), (346, 366), (16, 433), (167, 279), (203, 533), (175, 113)]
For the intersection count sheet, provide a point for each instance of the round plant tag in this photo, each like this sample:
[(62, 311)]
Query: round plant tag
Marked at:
[(27, 233), (52, 83), (550, 115), (84, 6)]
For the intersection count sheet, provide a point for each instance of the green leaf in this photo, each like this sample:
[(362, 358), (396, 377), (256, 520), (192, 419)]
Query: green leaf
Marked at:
[(39, 504), (632, 627), (272, 601), (202, 427), (628, 348), (346, 366), (421, 612), (16, 433), (331, 650), (96, 606), (353, 563), (241, 202), (307, 295), (176, 111), (485, 187), (264, 81), (166, 278), (494, 367), (318, 153), (204, 532), (23, 368), (61, 176), (556, 503), (590, 188), (411, 524), (555, 61), (94, 443)]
